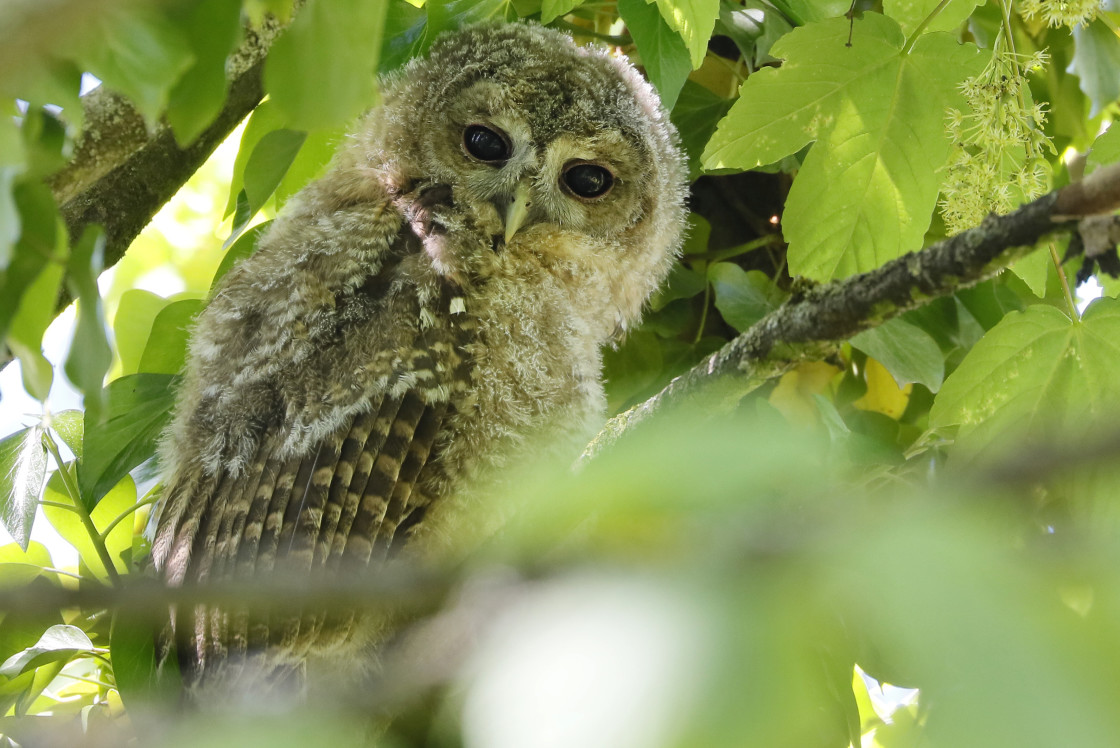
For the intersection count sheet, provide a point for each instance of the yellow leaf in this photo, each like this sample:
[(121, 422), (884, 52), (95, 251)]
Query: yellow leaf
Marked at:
[(883, 394), (793, 397)]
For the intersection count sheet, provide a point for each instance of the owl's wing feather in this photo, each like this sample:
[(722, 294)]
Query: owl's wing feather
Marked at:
[(339, 506), (336, 504)]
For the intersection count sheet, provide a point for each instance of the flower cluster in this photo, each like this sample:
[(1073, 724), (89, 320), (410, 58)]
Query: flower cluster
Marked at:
[(996, 161), (1061, 12)]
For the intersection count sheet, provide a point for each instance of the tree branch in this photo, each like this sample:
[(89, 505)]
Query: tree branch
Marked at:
[(122, 174), (811, 326), (139, 595)]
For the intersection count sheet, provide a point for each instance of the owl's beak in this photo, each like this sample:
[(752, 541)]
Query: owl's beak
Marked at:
[(518, 210)]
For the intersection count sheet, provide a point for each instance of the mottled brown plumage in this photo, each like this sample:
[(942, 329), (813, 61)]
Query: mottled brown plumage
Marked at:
[(429, 312)]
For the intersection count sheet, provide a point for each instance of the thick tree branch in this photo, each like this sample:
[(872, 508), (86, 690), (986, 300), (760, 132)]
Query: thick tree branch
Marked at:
[(811, 326), (122, 174)]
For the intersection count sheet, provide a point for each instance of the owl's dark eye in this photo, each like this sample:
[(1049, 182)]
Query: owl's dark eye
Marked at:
[(587, 180), (486, 144)]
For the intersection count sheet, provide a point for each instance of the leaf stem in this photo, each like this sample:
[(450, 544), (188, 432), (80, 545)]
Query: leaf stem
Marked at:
[(83, 679), (704, 313), (80, 509), (1005, 22), (55, 570), (741, 249), (117, 520), (921, 27), (1005, 7), (617, 41), (58, 505), (1070, 302)]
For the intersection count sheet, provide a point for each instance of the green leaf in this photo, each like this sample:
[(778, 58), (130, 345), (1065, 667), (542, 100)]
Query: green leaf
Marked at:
[(742, 297), (408, 32), (166, 352), (320, 73), (780, 110), (132, 648), (138, 52), (58, 643), (36, 371), (696, 114), (23, 463), (631, 368), (269, 163), (241, 218), (9, 211), (212, 29), (22, 628), (664, 54), (1036, 373), (463, 12), (1106, 149), (245, 245), (41, 677), (69, 425), (909, 13), (808, 11), (697, 235), (11, 145), (908, 352), (69, 525), (40, 239), (1033, 270), (683, 283), (553, 9), (869, 185), (264, 119), (44, 137), (694, 21), (18, 567), (986, 305), (671, 320), (838, 431), (754, 27), (35, 313), (132, 325), (310, 163), (57, 83), (1096, 59), (90, 356), (137, 408)]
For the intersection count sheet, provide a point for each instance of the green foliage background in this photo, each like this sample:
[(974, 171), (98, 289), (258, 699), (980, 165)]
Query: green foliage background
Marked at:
[(935, 507)]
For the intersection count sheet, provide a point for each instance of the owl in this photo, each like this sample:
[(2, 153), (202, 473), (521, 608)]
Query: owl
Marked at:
[(424, 317)]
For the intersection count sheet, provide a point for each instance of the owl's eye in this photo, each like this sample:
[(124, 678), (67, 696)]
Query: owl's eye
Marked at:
[(587, 180), (485, 144)]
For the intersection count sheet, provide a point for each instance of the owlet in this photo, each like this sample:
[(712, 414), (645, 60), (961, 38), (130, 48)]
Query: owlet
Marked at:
[(427, 314)]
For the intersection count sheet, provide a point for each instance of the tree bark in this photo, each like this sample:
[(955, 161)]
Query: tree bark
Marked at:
[(122, 174)]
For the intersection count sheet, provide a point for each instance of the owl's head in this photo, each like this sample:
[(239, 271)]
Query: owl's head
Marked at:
[(557, 149)]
